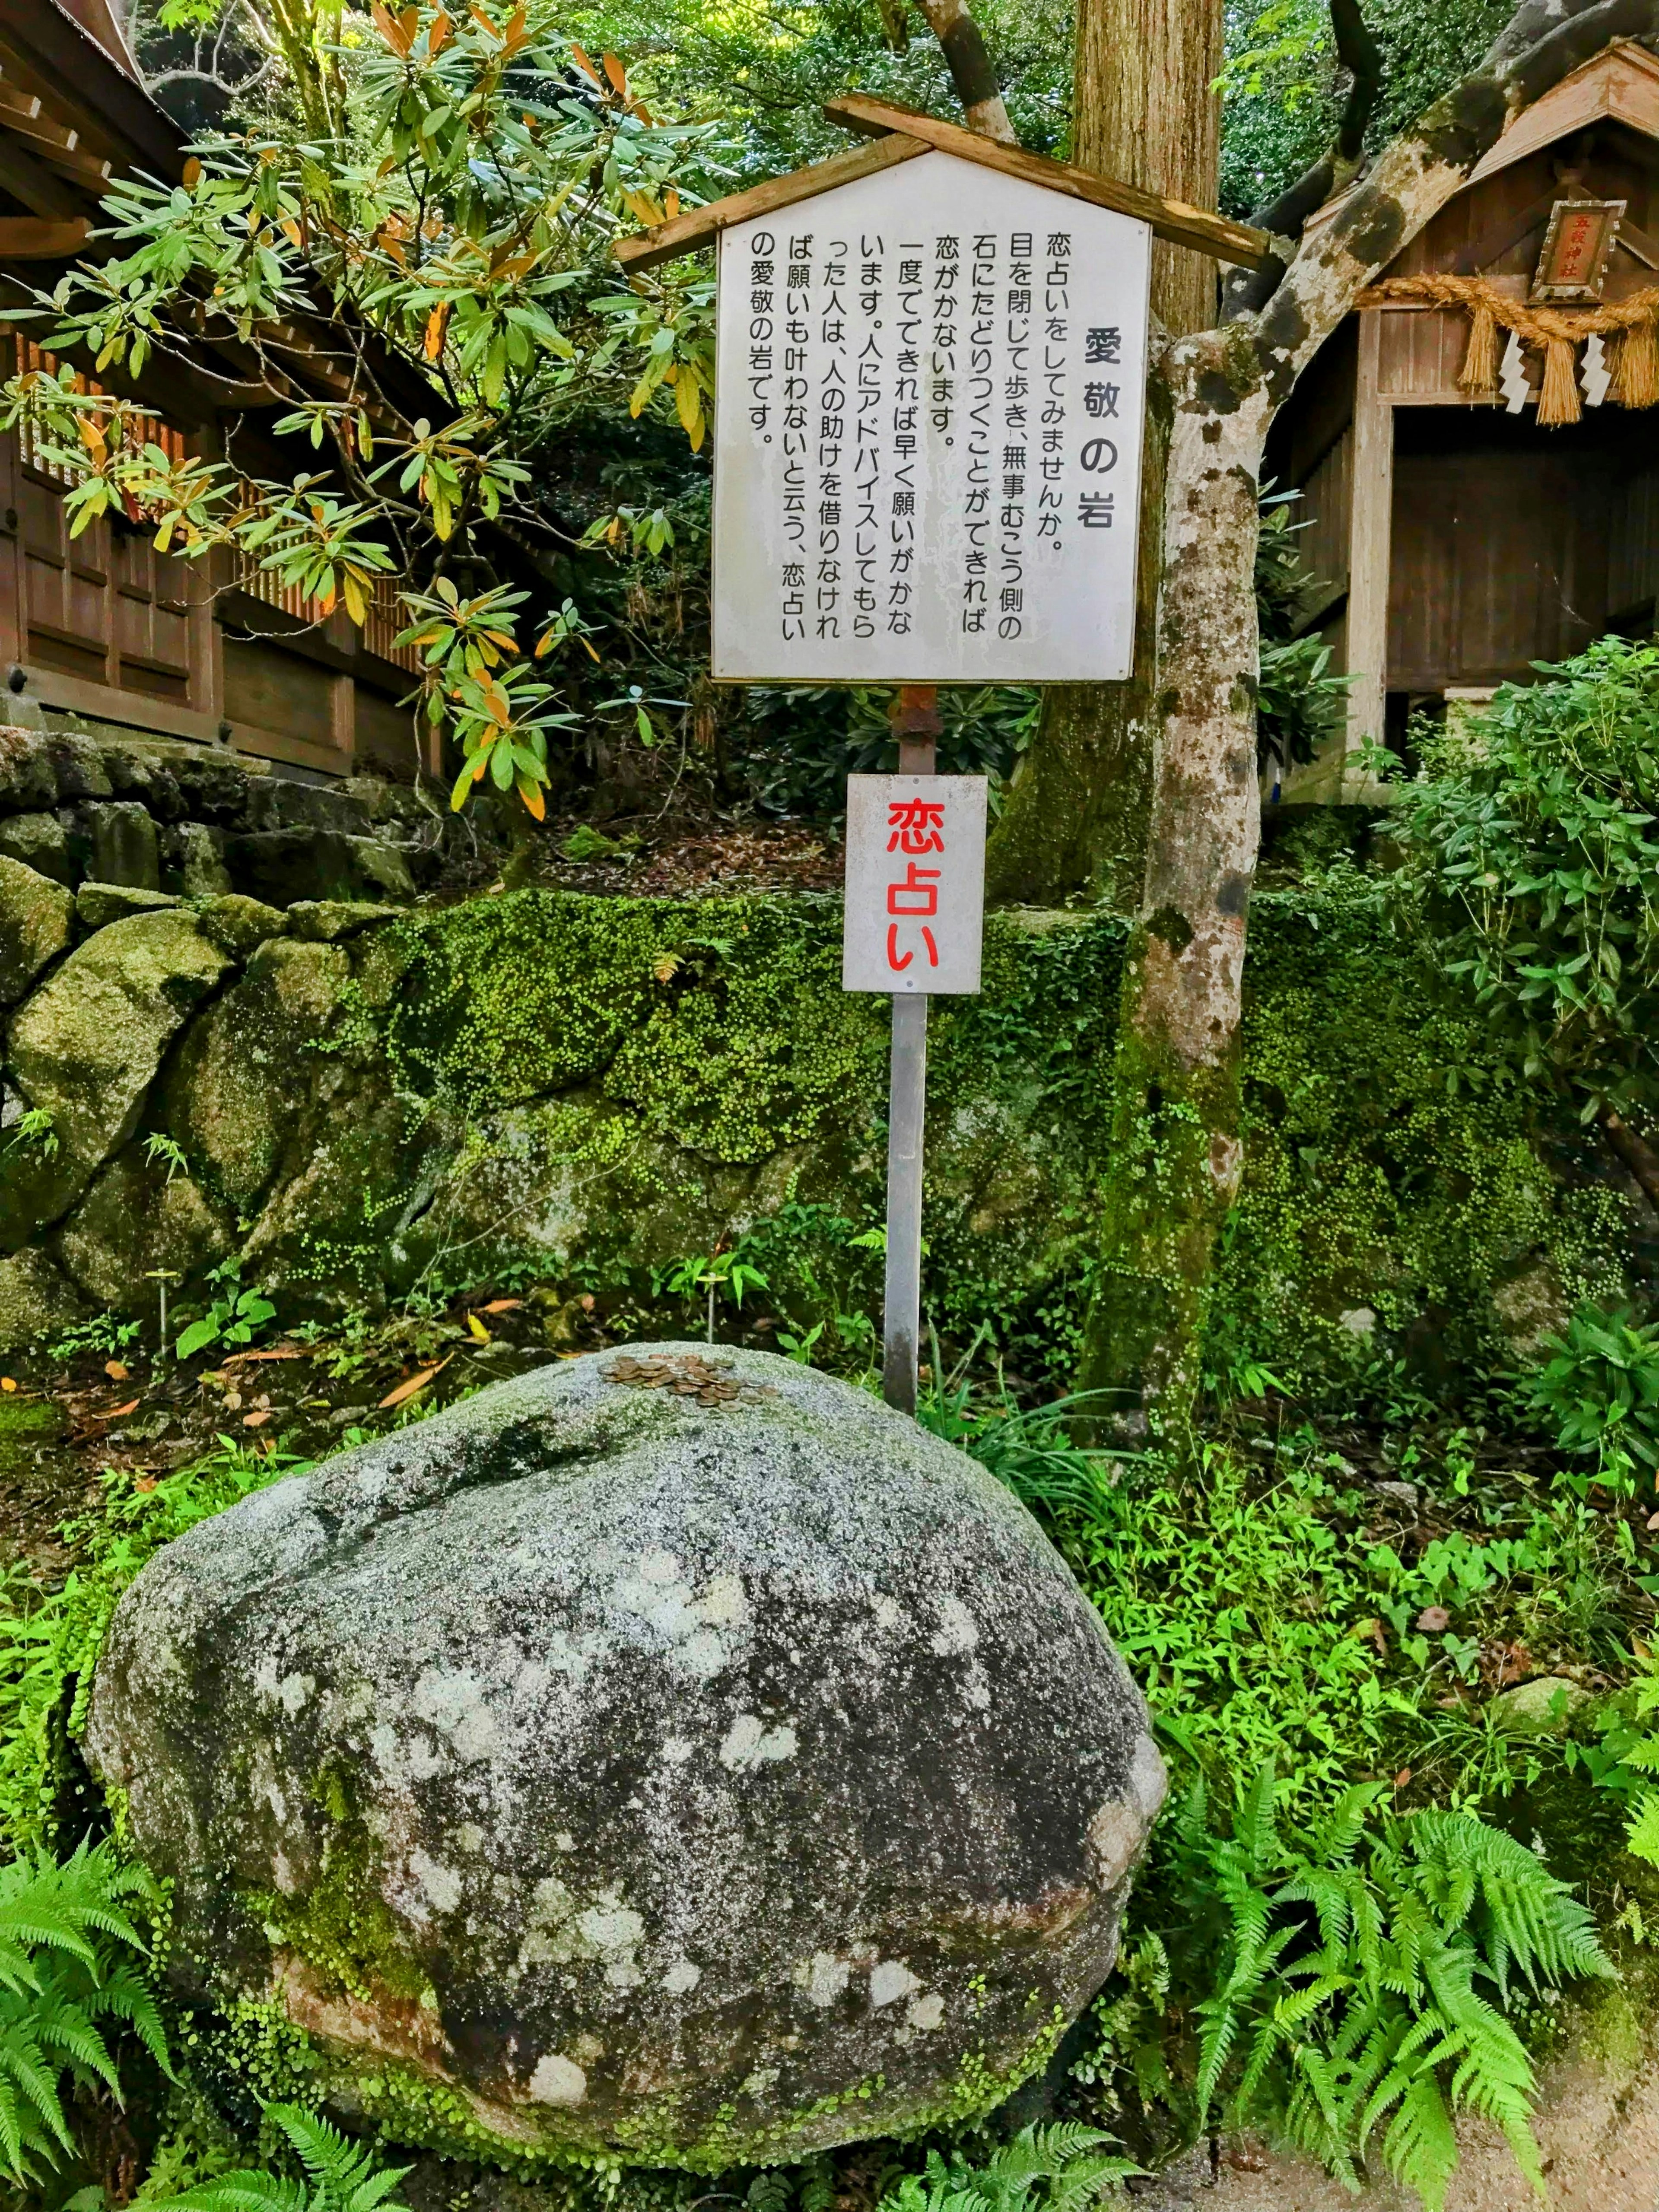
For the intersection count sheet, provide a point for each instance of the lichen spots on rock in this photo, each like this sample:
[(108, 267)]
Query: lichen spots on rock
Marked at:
[(582, 1738), (749, 1742), (558, 2081)]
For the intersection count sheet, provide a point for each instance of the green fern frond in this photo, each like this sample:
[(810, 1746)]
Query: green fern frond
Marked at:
[(249, 2189), (1420, 2148), (344, 2172), (1642, 1836)]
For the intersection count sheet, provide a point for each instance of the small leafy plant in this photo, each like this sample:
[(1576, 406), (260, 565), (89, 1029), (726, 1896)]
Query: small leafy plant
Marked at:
[(233, 1316), (1600, 1388), (1367, 1972), (162, 1151), (69, 1957), (36, 1128), (716, 1273), (340, 2176), (1054, 2169)]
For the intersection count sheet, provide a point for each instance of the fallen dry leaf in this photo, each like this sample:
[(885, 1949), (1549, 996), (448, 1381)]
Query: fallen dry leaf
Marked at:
[(1653, 1518), (1502, 1665), (8, 1382), (415, 1382), (480, 1332), (115, 1371), (501, 1305), (255, 1420), (143, 1482), (120, 1413), (1433, 1618), (1402, 1777), (283, 1351)]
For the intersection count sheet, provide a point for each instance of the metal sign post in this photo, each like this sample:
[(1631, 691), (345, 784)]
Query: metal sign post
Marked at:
[(915, 888), (916, 724)]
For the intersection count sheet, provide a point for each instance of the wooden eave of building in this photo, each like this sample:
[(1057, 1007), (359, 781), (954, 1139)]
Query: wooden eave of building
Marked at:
[(71, 121), (1618, 85)]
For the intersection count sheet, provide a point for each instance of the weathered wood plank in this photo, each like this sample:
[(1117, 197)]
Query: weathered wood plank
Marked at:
[(701, 226), (1215, 235), (1370, 515), (26, 238)]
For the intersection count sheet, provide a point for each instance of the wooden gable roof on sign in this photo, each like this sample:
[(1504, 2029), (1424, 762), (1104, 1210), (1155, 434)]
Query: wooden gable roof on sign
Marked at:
[(900, 134)]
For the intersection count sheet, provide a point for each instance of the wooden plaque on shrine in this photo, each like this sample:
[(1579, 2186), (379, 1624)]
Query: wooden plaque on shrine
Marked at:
[(1573, 265)]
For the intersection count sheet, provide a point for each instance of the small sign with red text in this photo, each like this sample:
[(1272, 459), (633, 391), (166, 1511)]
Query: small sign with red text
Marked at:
[(915, 884)]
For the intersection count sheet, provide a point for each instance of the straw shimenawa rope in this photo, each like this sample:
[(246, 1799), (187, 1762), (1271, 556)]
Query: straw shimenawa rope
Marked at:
[(1556, 332)]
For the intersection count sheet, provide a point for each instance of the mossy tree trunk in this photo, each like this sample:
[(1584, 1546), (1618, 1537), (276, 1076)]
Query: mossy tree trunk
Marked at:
[(1145, 111), (1177, 1154)]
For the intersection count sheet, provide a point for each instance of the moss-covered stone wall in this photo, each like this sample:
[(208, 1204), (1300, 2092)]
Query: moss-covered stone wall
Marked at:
[(578, 1092)]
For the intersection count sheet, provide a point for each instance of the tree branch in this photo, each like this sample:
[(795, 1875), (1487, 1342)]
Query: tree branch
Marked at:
[(1244, 290), (1419, 172), (971, 72)]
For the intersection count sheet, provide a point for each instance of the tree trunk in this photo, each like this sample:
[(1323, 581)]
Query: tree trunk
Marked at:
[(1145, 111), (1076, 814), (1173, 1168), (1635, 1153), (1176, 1158)]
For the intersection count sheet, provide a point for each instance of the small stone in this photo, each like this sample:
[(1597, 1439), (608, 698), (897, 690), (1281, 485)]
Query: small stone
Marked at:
[(97, 905), (1547, 1705), (1403, 1494), (123, 847), (240, 926), (380, 868), (34, 927), (27, 780), (323, 921), (78, 766), (193, 857), (39, 842), (85, 1049), (1359, 1320), (37, 1299)]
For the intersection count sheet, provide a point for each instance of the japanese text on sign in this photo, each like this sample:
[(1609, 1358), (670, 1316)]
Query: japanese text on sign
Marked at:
[(915, 884), (928, 434)]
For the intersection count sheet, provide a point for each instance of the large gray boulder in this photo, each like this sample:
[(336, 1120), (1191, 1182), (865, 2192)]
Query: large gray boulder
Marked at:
[(669, 1753)]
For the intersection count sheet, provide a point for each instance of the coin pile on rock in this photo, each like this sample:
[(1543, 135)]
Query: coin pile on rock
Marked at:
[(687, 1375)]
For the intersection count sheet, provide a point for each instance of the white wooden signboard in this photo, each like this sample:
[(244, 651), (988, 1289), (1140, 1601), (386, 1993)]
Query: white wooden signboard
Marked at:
[(931, 387), (915, 885)]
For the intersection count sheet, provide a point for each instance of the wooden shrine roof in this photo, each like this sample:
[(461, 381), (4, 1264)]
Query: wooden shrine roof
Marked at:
[(1618, 85)]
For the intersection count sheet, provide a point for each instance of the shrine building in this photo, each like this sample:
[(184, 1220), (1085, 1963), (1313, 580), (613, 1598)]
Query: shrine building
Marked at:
[(1478, 445), (103, 627)]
